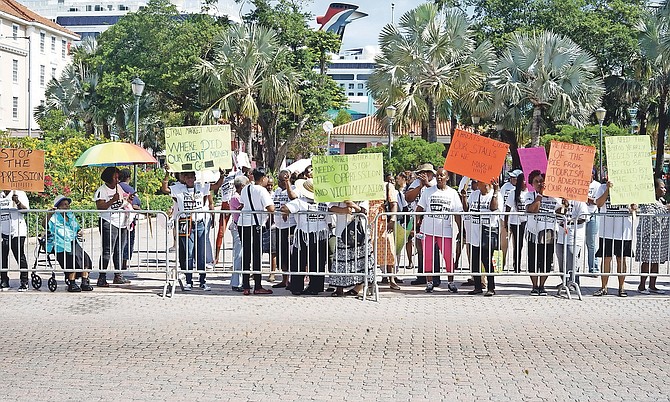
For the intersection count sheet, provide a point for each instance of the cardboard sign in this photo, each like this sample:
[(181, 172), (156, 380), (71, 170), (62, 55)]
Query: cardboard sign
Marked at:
[(474, 156), (569, 171), (198, 148), (629, 169), (533, 159), (357, 177), (21, 169)]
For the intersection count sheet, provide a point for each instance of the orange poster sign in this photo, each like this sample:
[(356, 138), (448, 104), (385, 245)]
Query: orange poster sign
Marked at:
[(569, 171), (21, 169), (474, 156)]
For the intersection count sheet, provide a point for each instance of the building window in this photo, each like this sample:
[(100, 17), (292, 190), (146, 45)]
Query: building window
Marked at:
[(53, 72), (42, 75), (15, 107), (43, 38), (123, 8), (43, 103), (15, 70), (342, 86), (360, 94), (363, 77), (53, 44), (99, 8), (351, 86), (341, 77), (360, 86), (63, 47), (350, 94), (15, 31), (89, 7)]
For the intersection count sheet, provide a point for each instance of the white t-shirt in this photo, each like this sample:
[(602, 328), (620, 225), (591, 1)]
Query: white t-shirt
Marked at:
[(576, 210), (315, 221), (191, 200), (104, 193), (11, 220), (417, 183), (478, 202), (342, 220), (506, 190), (618, 223), (436, 200), (545, 218), (593, 190), (261, 200), (227, 188), (280, 197), (511, 203), (467, 184)]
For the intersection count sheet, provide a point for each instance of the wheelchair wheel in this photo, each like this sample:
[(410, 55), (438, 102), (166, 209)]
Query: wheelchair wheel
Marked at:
[(52, 284), (36, 281)]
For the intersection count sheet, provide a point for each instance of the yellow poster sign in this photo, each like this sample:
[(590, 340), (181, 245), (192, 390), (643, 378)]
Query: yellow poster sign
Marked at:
[(198, 148), (357, 177), (629, 169)]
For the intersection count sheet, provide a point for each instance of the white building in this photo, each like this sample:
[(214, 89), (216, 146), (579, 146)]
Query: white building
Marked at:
[(33, 49), (351, 70)]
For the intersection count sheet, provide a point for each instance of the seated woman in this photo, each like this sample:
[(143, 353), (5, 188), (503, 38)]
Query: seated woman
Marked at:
[(63, 230)]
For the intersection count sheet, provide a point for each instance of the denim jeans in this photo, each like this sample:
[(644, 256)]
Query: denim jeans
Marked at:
[(592, 243), (192, 248), (236, 279)]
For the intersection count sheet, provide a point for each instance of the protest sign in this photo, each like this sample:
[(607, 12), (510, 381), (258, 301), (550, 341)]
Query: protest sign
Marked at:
[(357, 177), (21, 169), (474, 156), (533, 159), (569, 171), (629, 169), (198, 148)]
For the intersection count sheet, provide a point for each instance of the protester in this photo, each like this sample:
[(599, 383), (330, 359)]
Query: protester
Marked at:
[(285, 228), (14, 232), (615, 230), (113, 224), (516, 223), (505, 191), (254, 198), (310, 242), (225, 193), (437, 228), (385, 241), (124, 182), (541, 231), (404, 233), (465, 188), (63, 232), (483, 232), (571, 235), (236, 205), (592, 226), (269, 234), (653, 232)]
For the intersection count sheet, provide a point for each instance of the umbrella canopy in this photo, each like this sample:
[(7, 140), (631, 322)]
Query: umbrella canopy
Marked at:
[(299, 166), (114, 154)]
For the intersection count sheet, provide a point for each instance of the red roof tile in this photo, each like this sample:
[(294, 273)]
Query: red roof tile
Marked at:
[(372, 126), (18, 10)]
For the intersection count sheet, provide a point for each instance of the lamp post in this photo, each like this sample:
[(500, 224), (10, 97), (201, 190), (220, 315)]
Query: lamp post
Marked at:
[(328, 128), (216, 114), (600, 115), (137, 86), (632, 112), (475, 121), (390, 113)]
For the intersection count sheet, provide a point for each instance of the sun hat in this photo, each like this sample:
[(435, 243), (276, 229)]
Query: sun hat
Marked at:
[(306, 188), (515, 173), (426, 167), (60, 199)]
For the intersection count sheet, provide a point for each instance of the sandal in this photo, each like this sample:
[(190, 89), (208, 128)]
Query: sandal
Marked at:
[(622, 293), (350, 292), (337, 294), (394, 286)]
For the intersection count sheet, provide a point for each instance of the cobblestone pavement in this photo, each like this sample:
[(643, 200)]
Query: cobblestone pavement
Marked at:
[(127, 343)]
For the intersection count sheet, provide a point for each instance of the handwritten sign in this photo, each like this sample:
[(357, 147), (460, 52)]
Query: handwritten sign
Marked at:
[(21, 169), (348, 177), (198, 148), (569, 171), (629, 169), (474, 156), (533, 159)]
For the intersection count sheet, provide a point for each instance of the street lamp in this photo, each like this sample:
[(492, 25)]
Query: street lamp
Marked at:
[(216, 114), (632, 112), (475, 121), (600, 115), (137, 86), (328, 128), (390, 113)]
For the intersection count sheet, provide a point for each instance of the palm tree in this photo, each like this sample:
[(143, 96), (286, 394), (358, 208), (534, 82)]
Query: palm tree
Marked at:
[(551, 76), (429, 59), (655, 48), (247, 78)]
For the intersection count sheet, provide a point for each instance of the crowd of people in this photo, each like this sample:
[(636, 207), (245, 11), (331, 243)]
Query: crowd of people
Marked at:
[(421, 214)]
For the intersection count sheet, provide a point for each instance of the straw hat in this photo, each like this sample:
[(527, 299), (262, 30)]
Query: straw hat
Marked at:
[(426, 167), (306, 188)]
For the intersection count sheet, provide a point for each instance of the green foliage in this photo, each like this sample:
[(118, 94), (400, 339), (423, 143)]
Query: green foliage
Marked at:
[(343, 117), (408, 153), (162, 202)]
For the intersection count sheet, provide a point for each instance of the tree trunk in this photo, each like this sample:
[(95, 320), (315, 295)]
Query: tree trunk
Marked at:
[(662, 127), (509, 137), (432, 120), (283, 149), (105, 128), (535, 128), (120, 121)]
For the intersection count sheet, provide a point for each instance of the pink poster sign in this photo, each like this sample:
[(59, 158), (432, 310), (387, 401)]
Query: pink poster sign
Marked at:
[(533, 159)]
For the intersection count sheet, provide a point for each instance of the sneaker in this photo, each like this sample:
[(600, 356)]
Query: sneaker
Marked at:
[(188, 287), (429, 288), (623, 293), (262, 291), (535, 292), (23, 287), (209, 266), (644, 291), (73, 287), (476, 292), (656, 291), (171, 250), (120, 280), (237, 289), (600, 292), (4, 286), (86, 285), (452, 287), (490, 293), (205, 287), (542, 292)]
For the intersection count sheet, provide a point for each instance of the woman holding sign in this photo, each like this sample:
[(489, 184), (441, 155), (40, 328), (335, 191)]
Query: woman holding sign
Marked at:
[(14, 232), (652, 238)]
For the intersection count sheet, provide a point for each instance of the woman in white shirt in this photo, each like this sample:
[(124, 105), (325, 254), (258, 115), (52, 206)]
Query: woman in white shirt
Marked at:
[(14, 232), (571, 234), (516, 224)]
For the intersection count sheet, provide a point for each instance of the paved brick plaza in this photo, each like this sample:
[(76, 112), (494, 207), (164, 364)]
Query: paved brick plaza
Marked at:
[(129, 344)]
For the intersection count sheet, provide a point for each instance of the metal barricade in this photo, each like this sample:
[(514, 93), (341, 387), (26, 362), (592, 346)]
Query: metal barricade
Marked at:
[(85, 241)]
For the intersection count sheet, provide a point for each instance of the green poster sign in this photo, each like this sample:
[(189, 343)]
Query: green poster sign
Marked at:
[(629, 169), (356, 177)]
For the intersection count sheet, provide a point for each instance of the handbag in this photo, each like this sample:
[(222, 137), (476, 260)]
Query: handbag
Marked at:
[(354, 234)]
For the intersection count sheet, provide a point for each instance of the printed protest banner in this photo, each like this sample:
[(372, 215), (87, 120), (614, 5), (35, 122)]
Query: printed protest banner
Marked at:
[(198, 148), (533, 159), (21, 169), (356, 177), (629, 169), (474, 156), (569, 171)]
